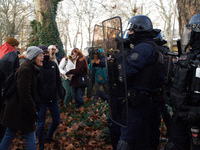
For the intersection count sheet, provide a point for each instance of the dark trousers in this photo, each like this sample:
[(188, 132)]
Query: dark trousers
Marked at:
[(137, 132), (78, 96), (90, 85), (114, 133), (154, 125), (181, 135), (103, 94), (143, 123)]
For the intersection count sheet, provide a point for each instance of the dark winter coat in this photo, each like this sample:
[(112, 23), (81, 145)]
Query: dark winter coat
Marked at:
[(49, 83), (19, 110), (80, 69)]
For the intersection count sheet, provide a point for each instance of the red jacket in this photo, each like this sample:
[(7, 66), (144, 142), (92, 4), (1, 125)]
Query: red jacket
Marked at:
[(5, 48)]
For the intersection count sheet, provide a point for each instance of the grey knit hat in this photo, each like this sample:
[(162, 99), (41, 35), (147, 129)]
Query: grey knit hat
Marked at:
[(32, 52)]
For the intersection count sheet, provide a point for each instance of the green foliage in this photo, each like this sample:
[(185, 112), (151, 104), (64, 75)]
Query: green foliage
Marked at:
[(47, 32)]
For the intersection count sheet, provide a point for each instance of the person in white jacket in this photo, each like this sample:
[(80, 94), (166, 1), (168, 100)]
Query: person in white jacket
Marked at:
[(65, 65)]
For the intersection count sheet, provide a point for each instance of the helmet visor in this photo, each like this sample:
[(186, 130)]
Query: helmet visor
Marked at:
[(127, 30)]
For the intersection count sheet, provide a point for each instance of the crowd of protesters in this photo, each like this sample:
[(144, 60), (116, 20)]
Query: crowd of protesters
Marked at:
[(43, 79)]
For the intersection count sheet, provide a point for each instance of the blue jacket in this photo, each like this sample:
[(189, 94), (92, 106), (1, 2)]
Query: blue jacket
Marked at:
[(100, 75), (143, 69), (141, 55)]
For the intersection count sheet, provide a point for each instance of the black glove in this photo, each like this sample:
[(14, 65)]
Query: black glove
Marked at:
[(35, 117), (126, 43), (189, 114)]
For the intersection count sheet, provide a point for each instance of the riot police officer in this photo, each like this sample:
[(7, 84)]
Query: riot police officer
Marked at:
[(185, 92), (144, 66)]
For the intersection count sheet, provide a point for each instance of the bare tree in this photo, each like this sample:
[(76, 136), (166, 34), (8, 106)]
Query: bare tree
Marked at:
[(13, 17), (83, 14), (167, 15), (69, 22), (63, 20), (187, 9)]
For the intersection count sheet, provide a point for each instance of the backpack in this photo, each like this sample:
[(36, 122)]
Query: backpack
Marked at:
[(10, 86)]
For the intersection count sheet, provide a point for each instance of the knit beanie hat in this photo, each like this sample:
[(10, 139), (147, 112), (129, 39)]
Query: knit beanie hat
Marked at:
[(13, 42), (32, 52), (43, 47)]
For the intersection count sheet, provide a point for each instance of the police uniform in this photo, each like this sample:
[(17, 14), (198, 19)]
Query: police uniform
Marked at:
[(184, 94), (144, 67)]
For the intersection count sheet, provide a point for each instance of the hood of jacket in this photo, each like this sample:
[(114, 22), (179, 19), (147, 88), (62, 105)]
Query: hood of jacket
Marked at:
[(5, 48)]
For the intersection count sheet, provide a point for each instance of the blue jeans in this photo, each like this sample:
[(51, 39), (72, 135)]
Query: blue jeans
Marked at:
[(78, 96), (55, 113), (10, 134)]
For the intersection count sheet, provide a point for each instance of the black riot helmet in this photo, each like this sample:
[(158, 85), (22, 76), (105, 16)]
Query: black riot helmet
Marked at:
[(140, 23), (191, 31), (142, 27)]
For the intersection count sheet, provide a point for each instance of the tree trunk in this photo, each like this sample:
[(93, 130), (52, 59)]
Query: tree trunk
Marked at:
[(41, 7), (47, 31), (187, 9)]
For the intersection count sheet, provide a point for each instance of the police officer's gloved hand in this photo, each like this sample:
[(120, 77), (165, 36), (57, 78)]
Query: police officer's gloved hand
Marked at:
[(126, 43), (190, 114)]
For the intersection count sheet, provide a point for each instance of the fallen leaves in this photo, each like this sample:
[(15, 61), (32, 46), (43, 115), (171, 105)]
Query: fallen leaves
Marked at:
[(84, 128)]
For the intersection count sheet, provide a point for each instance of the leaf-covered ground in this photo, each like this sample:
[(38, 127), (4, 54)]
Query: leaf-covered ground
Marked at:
[(85, 128)]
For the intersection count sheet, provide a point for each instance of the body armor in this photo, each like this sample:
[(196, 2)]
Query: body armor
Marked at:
[(185, 84), (150, 76)]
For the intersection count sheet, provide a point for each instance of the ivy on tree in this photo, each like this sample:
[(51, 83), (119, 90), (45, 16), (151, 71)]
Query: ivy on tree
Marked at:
[(47, 32)]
